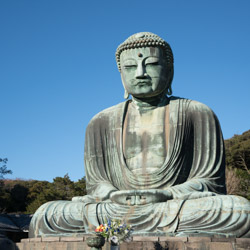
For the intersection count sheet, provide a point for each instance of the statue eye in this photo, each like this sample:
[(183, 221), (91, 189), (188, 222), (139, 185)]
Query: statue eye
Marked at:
[(130, 66), (152, 61)]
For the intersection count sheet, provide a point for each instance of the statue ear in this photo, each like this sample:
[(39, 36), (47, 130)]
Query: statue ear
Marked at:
[(126, 94), (169, 90), (170, 79)]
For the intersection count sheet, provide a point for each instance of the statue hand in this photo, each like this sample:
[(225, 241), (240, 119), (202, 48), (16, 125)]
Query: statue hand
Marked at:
[(140, 197), (84, 199)]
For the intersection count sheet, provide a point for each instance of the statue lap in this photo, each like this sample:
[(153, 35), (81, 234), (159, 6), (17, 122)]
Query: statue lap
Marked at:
[(222, 214)]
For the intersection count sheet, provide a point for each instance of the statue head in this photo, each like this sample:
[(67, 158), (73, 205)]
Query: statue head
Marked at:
[(146, 64)]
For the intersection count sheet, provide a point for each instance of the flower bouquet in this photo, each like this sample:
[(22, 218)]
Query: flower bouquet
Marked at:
[(115, 231)]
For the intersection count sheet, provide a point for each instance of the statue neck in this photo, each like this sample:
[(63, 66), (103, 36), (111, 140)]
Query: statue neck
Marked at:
[(149, 103)]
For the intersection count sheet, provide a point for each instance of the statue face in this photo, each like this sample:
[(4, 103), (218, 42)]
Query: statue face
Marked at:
[(144, 72)]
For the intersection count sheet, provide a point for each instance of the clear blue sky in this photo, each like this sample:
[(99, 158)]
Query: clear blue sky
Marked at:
[(58, 69)]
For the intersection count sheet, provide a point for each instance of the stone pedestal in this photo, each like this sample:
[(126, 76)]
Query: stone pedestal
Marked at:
[(139, 242)]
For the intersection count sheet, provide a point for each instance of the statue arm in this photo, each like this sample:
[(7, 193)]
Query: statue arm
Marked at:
[(192, 189), (207, 173), (99, 186)]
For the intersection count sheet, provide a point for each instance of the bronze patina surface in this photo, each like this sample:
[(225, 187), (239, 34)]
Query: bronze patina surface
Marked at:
[(156, 161)]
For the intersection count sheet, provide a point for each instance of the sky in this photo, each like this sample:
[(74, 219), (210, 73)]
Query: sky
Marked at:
[(58, 69)]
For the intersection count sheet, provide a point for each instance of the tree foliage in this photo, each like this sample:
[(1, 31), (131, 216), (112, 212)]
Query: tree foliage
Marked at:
[(3, 168), (3, 171), (238, 164), (26, 196)]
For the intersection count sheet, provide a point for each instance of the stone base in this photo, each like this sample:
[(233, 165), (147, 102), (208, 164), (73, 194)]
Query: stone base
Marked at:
[(139, 242)]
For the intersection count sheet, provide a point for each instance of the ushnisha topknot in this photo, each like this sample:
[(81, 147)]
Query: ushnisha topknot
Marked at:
[(145, 39)]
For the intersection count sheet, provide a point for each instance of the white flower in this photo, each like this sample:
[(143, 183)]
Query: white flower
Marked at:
[(114, 239)]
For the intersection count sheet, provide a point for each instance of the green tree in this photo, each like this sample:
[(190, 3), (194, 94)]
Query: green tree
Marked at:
[(62, 188), (238, 151), (4, 197), (26, 196), (80, 187), (3, 168), (18, 198), (238, 164), (39, 193), (15, 195)]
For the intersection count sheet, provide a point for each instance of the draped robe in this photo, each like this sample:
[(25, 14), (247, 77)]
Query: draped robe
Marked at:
[(193, 171)]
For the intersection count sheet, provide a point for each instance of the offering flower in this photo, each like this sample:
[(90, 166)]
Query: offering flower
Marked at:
[(115, 231)]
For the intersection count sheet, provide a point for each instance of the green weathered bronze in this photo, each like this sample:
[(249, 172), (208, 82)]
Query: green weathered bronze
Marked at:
[(155, 161), (95, 242)]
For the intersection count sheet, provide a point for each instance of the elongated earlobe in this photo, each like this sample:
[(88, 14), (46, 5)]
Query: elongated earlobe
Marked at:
[(169, 91), (126, 95)]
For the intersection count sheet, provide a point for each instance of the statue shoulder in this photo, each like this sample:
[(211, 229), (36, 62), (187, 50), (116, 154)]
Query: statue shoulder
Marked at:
[(191, 107), (189, 104), (198, 106), (107, 114)]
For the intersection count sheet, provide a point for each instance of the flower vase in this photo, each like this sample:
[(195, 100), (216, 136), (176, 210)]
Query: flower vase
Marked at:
[(96, 242), (114, 247)]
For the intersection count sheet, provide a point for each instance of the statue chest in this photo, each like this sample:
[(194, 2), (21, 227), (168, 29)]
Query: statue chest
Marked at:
[(144, 139)]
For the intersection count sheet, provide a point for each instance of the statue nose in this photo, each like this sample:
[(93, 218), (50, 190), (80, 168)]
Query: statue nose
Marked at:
[(140, 71)]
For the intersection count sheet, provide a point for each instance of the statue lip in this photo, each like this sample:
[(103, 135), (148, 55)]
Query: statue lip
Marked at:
[(142, 82)]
